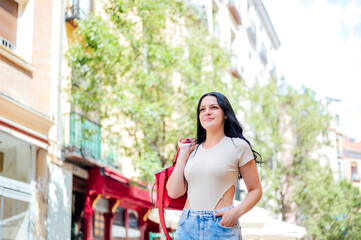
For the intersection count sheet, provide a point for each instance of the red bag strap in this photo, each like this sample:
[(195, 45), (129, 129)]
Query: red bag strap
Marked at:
[(160, 203), (176, 157)]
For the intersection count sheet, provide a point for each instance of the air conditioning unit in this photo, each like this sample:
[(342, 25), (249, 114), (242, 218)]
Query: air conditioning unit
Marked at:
[(7, 43)]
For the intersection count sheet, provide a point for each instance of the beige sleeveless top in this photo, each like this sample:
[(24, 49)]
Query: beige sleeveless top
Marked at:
[(211, 172)]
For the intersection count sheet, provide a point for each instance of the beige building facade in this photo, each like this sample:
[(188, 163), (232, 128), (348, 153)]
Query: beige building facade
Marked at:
[(28, 92)]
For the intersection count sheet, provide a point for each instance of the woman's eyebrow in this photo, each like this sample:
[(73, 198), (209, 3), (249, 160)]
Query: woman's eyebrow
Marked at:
[(212, 104)]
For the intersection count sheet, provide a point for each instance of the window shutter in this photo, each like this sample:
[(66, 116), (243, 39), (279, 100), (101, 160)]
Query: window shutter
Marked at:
[(8, 20)]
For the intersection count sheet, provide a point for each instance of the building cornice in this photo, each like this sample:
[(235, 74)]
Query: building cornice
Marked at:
[(24, 116)]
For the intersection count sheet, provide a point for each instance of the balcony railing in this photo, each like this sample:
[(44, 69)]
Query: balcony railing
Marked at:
[(77, 9), (234, 8), (83, 137), (7, 43)]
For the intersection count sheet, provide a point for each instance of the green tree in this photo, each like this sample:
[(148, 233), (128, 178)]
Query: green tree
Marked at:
[(289, 125), (142, 67), (329, 209)]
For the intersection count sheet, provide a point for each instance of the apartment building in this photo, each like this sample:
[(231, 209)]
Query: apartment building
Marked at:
[(28, 92), (352, 161), (343, 154), (244, 28)]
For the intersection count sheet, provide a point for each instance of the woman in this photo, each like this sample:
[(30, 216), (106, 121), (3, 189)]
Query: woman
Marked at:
[(208, 169)]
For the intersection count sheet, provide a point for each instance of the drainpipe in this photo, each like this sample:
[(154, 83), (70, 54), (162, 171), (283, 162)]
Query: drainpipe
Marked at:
[(59, 130)]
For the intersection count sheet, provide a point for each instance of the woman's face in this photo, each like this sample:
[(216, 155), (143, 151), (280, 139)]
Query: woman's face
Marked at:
[(211, 115)]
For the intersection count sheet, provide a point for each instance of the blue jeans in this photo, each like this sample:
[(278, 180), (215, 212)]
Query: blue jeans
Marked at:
[(204, 225)]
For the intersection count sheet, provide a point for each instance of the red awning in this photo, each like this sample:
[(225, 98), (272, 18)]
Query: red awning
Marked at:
[(111, 184)]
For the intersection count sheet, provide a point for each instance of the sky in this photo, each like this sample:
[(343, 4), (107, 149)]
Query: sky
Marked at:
[(321, 49)]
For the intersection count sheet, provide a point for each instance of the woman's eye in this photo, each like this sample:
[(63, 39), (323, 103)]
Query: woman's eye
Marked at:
[(214, 107), (202, 109)]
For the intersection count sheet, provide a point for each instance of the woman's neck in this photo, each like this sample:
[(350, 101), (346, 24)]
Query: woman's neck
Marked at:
[(212, 138)]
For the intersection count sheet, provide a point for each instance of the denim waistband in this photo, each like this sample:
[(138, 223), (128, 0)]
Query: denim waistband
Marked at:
[(204, 213)]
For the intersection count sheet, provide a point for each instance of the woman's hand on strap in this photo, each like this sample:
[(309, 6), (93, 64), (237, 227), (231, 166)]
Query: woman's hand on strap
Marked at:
[(229, 217), (187, 145)]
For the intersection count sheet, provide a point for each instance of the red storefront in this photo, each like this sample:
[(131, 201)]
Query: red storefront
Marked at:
[(115, 207)]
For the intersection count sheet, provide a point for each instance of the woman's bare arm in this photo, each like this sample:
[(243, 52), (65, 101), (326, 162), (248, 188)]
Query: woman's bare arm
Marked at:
[(177, 185), (251, 179)]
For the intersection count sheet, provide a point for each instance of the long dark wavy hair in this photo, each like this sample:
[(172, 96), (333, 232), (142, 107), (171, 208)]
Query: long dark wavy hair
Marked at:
[(232, 127)]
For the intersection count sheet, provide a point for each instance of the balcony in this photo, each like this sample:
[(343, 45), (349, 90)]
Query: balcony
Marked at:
[(6, 43), (77, 9), (82, 142), (234, 63), (234, 8)]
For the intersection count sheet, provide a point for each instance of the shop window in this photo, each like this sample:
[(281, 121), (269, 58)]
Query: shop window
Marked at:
[(15, 159), (14, 218), (118, 228), (98, 225), (133, 230)]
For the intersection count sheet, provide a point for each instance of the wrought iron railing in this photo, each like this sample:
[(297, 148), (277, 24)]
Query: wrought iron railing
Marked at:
[(85, 135), (77, 9)]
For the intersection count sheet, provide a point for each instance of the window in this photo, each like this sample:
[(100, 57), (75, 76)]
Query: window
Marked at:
[(17, 30), (15, 158), (8, 26), (337, 120), (234, 7), (263, 54), (98, 225), (118, 228), (133, 230), (215, 15), (338, 146), (16, 173), (339, 170), (14, 215), (354, 172)]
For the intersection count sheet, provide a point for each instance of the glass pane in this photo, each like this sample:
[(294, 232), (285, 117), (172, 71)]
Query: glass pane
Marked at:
[(15, 158), (133, 230), (118, 232), (119, 217), (98, 225), (15, 219), (118, 227)]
